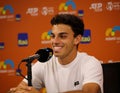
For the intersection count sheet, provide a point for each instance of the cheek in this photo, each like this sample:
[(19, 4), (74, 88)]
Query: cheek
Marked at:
[(70, 43)]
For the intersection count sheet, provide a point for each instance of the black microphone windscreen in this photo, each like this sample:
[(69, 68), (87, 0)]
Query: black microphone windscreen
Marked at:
[(45, 54)]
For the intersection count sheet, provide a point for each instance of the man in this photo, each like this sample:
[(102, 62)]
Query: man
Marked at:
[(68, 71)]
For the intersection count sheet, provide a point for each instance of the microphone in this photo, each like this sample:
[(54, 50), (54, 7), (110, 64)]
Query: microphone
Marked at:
[(42, 55)]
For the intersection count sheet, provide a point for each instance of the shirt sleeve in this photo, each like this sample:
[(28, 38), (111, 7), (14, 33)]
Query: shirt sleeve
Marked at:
[(93, 72)]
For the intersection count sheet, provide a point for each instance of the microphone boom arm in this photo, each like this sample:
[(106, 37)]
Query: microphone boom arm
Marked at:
[(41, 55), (29, 72)]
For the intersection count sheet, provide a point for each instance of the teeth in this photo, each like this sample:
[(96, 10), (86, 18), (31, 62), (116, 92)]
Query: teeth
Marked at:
[(57, 48)]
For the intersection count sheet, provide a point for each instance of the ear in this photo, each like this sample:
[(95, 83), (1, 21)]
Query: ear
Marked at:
[(77, 39)]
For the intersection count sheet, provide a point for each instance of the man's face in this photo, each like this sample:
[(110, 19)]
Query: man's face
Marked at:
[(63, 40)]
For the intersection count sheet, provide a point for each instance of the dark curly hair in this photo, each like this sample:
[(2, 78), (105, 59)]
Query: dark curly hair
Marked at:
[(73, 21)]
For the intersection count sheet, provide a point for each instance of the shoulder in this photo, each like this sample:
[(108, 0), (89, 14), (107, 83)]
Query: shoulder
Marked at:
[(85, 56), (88, 60)]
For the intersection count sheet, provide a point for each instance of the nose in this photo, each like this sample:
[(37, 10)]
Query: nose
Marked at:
[(55, 40)]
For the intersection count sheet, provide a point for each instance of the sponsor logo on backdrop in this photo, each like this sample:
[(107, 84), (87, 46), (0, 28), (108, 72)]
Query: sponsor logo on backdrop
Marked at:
[(7, 66), (18, 17), (67, 7), (45, 37), (110, 6), (47, 10), (32, 11), (2, 45), (23, 39), (7, 12), (111, 34), (80, 13), (97, 7), (86, 38)]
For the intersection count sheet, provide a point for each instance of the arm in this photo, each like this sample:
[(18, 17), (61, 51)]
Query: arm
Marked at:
[(87, 88), (93, 78), (23, 88)]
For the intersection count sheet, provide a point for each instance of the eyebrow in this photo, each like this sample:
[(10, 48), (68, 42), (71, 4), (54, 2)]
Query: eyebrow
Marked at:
[(59, 33)]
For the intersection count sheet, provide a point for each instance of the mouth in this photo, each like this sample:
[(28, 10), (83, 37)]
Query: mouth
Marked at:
[(57, 48)]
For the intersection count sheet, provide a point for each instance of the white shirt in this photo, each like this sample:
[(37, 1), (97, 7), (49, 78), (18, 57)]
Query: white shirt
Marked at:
[(60, 78)]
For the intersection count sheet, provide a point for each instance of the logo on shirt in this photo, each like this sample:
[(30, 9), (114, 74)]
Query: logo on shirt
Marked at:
[(76, 83)]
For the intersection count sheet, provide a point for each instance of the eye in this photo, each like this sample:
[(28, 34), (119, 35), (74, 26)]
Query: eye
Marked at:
[(63, 36)]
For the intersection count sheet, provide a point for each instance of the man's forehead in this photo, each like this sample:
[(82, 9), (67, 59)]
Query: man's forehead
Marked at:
[(61, 26), (61, 29)]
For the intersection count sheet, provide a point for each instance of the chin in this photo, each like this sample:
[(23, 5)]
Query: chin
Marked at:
[(57, 54)]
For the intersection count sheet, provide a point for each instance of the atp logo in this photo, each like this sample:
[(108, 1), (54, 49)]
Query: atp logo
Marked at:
[(32, 11), (4, 64), (111, 31), (3, 10), (64, 6)]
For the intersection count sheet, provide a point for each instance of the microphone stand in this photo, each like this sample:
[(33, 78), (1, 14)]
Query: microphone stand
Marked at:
[(29, 72)]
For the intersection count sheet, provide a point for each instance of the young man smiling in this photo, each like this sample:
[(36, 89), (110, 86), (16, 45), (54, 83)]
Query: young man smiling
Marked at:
[(68, 71)]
